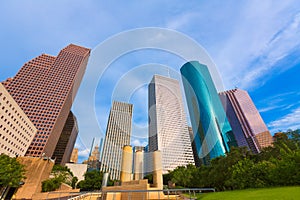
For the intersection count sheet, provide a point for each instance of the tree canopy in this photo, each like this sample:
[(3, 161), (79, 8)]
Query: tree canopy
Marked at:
[(62, 174), (277, 165), (11, 171), (92, 181)]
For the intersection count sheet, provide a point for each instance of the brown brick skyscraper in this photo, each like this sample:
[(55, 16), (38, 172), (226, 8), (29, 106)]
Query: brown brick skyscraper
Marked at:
[(44, 88)]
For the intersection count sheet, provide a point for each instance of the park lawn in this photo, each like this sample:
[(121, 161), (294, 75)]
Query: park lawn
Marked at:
[(277, 193)]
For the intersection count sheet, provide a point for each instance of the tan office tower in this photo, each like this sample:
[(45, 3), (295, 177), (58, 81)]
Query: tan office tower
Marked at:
[(44, 88), (247, 125), (168, 130), (16, 130), (74, 156), (117, 135)]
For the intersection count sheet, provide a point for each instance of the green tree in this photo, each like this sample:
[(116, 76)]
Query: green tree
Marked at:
[(242, 174), (276, 165), (11, 171), (92, 181), (52, 184), (183, 175), (221, 168), (74, 181), (58, 169), (62, 174), (150, 178)]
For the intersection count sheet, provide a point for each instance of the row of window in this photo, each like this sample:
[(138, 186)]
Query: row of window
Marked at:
[(9, 150), (13, 135), (11, 125), (13, 110), (34, 153), (12, 143)]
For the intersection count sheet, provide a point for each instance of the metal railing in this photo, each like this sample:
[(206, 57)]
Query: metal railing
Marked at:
[(56, 195), (145, 194)]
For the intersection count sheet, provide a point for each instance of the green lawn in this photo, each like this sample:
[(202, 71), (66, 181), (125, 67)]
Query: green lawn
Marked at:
[(280, 193)]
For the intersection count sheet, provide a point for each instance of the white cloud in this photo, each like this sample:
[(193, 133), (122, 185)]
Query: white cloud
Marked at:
[(278, 102), (84, 153), (77, 145), (181, 20), (289, 121), (137, 142), (257, 41), (283, 42), (269, 108)]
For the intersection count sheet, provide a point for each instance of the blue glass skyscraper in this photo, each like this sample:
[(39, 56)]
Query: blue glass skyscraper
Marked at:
[(212, 132)]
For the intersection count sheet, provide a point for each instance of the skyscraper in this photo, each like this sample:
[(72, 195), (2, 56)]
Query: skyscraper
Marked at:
[(74, 156), (194, 148), (212, 132), (97, 142), (16, 130), (93, 161), (247, 125), (168, 130), (66, 141), (44, 88), (117, 135)]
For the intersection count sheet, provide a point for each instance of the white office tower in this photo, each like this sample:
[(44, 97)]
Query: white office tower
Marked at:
[(117, 135), (168, 130)]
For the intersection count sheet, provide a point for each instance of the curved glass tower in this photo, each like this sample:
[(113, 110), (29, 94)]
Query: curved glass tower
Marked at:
[(212, 131)]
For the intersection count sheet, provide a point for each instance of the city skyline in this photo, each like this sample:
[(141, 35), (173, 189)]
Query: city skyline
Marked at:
[(254, 47)]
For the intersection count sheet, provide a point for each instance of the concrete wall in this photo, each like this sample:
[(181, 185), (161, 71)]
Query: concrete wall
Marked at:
[(78, 170), (37, 170)]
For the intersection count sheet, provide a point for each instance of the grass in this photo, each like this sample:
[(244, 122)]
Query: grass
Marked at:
[(278, 193)]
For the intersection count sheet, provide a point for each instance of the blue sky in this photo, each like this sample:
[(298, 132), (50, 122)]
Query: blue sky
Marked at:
[(255, 45)]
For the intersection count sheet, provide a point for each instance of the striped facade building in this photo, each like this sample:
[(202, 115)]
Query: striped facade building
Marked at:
[(168, 129), (117, 135)]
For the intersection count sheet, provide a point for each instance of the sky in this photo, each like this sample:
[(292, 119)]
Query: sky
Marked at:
[(255, 46)]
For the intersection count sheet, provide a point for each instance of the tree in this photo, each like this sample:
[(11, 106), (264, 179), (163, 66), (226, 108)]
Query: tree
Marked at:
[(52, 184), (74, 181), (221, 168), (11, 171), (183, 175), (92, 181), (58, 169), (150, 178), (276, 165), (62, 174)]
